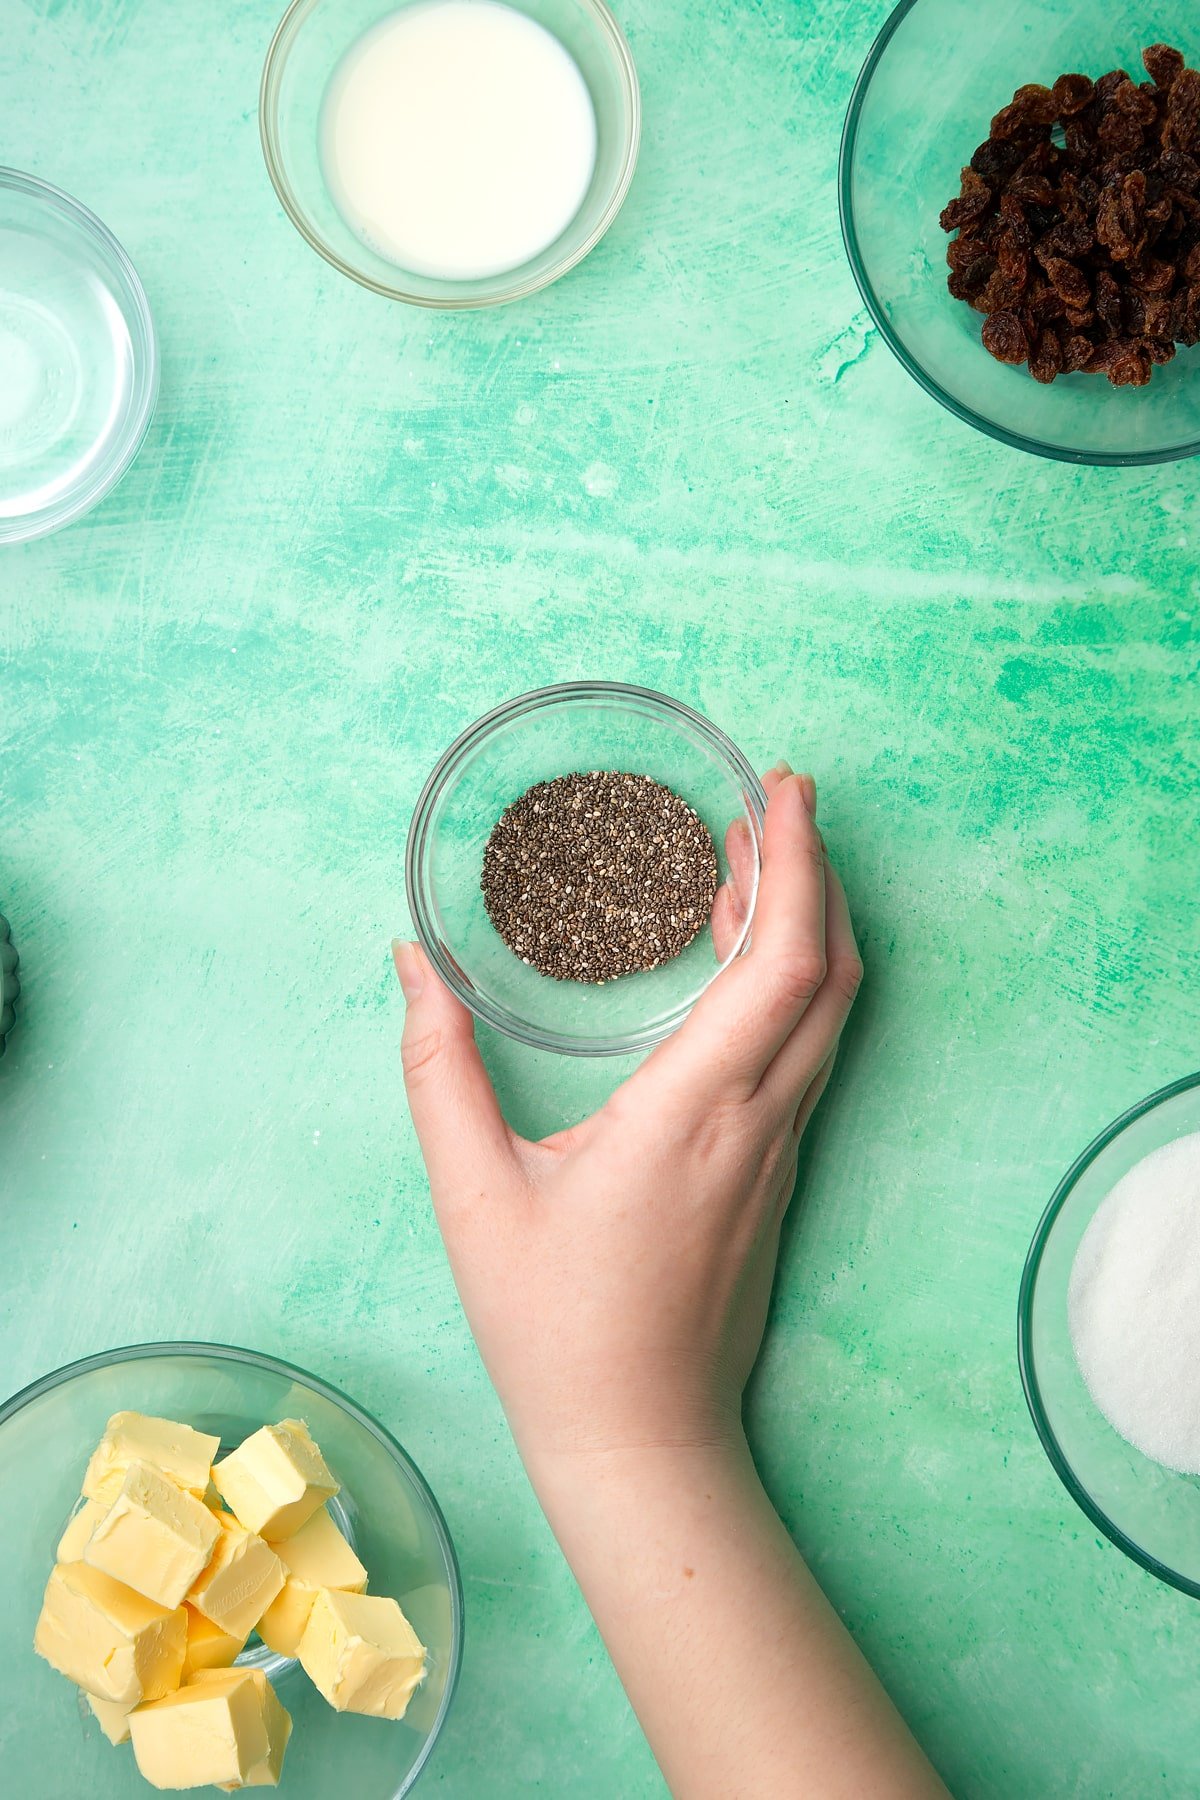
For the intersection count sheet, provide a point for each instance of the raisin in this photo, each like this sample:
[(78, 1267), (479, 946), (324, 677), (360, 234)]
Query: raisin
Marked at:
[(1158, 316), (1068, 281), (973, 201), (1014, 217), (1014, 118), (1077, 352), (1136, 103), (1108, 84), (1162, 64), (1031, 190), (1158, 349), (1071, 94), (1046, 357), (1046, 307), (1131, 368), (1014, 265), (1183, 111), (1180, 170), (1070, 238), (997, 162), (1004, 336), (1119, 135), (1153, 276)]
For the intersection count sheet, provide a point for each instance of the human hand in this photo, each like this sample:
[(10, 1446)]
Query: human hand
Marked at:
[(617, 1275)]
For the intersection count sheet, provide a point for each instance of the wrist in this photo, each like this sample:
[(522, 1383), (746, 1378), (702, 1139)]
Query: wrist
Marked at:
[(588, 1485)]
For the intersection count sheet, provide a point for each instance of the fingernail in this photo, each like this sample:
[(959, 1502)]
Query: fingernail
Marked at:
[(408, 967), (782, 768), (808, 788)]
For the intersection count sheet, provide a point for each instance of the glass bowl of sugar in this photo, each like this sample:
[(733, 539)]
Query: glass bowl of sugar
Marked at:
[(646, 774), (1109, 1333), (450, 153)]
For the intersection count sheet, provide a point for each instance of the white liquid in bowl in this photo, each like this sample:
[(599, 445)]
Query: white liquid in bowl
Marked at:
[(458, 138)]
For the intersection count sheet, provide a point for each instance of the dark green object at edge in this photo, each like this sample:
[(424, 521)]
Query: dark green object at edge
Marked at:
[(10, 987)]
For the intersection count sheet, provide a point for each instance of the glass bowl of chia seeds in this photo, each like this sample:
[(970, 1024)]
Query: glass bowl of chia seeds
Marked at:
[(582, 862)]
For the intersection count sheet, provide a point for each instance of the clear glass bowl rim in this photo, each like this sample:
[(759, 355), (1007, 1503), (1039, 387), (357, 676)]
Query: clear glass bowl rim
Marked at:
[(276, 1365), (1025, 1356), (1015, 439), (557, 693), (506, 290), (146, 363)]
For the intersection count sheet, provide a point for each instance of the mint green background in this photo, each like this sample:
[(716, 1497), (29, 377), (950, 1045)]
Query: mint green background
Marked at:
[(353, 527)]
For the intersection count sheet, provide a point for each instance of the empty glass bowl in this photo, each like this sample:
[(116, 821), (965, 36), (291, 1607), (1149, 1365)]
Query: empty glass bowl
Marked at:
[(1149, 1512), (936, 74), (574, 727), (78, 359), (312, 39), (52, 1745)]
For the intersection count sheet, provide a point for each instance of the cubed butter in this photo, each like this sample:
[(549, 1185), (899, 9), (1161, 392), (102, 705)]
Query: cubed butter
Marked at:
[(176, 1450), (108, 1640), (275, 1480), (317, 1556), (226, 1727), (243, 1576), (80, 1527), (155, 1537), (208, 1647), (112, 1716), (361, 1652)]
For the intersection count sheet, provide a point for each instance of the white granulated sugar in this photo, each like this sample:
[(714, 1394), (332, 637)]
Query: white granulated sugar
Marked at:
[(1134, 1305)]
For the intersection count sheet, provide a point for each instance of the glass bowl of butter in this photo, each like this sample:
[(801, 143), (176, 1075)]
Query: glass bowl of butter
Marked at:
[(316, 1511)]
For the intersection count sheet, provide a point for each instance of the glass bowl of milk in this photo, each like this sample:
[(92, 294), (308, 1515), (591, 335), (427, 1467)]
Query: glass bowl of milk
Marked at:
[(1108, 1324), (451, 153)]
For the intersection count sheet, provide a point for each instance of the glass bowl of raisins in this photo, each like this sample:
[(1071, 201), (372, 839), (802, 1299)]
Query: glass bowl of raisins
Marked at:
[(1020, 201)]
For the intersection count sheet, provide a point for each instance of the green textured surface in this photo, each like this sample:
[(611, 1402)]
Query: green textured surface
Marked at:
[(352, 528)]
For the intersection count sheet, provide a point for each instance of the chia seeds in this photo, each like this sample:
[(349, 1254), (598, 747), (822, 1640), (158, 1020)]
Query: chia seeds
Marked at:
[(588, 877)]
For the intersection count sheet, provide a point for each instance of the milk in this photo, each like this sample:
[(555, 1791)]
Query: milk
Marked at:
[(458, 138)]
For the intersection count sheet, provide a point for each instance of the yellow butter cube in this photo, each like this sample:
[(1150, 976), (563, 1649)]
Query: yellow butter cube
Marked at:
[(317, 1556), (80, 1527), (175, 1450), (362, 1653), (155, 1537), (226, 1727), (241, 1580), (282, 1625), (112, 1717), (108, 1640), (275, 1480), (208, 1647)]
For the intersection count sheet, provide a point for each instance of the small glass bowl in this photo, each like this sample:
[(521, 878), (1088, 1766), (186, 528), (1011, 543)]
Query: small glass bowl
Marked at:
[(935, 75), (1149, 1512), (52, 1744), (78, 359), (577, 726), (312, 38)]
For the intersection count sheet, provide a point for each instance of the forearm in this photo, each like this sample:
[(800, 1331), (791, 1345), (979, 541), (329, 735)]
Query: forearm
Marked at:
[(743, 1677)]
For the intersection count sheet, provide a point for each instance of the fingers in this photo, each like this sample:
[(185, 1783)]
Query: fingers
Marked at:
[(816, 1088), (807, 1056), (751, 1009), (459, 1124), (732, 904)]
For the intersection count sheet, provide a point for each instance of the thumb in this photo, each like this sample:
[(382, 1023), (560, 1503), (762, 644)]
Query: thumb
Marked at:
[(460, 1128)]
